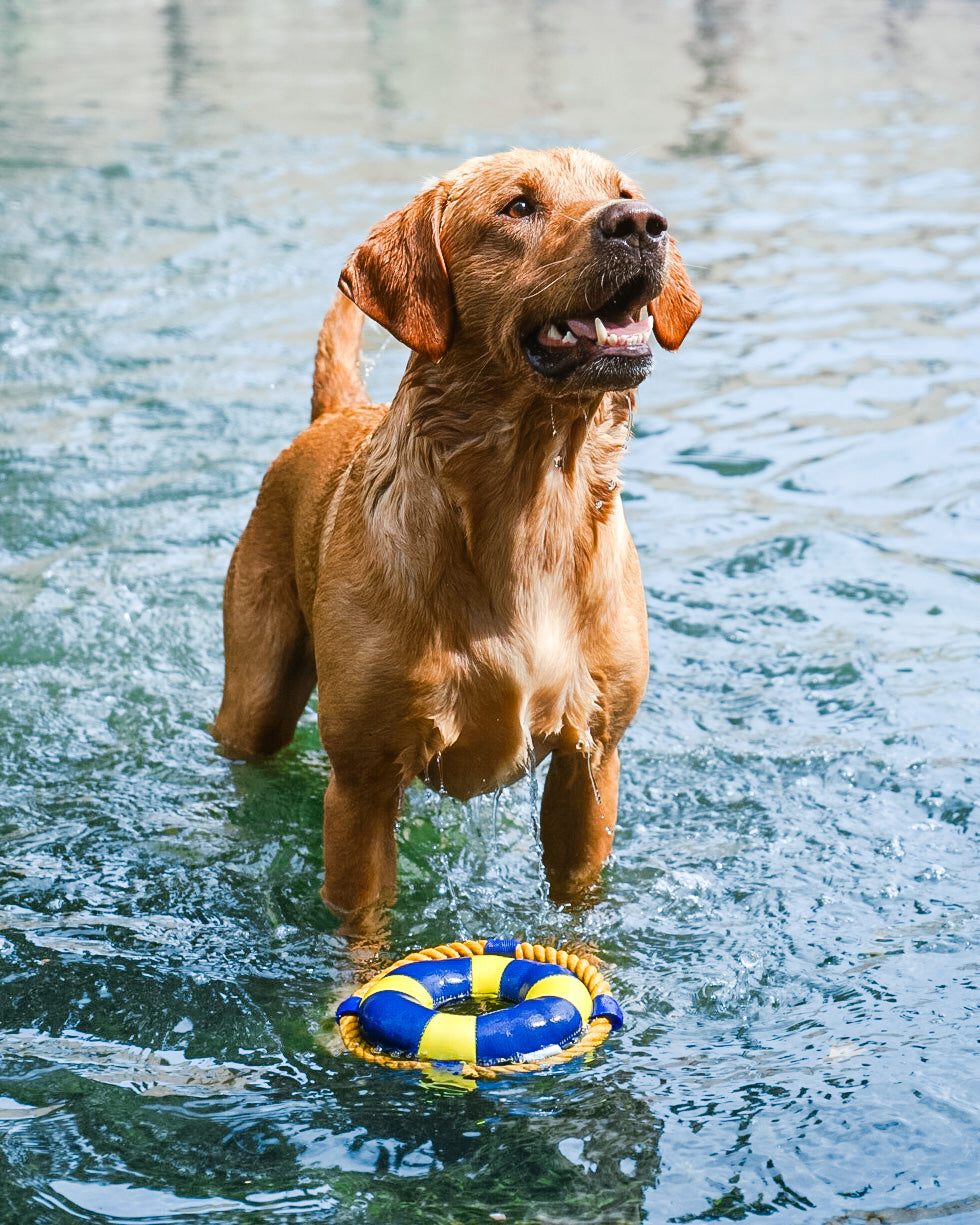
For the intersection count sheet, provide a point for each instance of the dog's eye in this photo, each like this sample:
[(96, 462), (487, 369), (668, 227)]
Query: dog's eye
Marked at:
[(520, 207)]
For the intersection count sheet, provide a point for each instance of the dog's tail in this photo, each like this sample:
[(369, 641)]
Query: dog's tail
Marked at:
[(337, 371)]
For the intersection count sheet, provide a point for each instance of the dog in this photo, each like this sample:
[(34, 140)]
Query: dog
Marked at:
[(454, 571)]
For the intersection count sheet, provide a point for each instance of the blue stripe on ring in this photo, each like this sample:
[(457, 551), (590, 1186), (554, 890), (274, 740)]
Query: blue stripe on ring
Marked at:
[(520, 976), (349, 1007), (606, 1006), (496, 947), (445, 981), (393, 1021), (526, 1028)]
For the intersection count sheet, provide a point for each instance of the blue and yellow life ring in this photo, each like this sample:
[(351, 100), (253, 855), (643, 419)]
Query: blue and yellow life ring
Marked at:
[(559, 1005)]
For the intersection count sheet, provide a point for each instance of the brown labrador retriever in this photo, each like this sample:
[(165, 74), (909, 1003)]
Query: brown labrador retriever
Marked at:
[(454, 570)]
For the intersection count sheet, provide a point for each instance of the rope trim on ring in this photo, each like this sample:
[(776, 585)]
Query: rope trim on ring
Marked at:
[(606, 1013)]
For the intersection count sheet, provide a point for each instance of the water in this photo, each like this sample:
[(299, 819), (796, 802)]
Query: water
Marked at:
[(792, 914)]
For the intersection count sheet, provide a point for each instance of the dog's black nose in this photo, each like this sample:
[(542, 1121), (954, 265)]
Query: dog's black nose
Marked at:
[(630, 221)]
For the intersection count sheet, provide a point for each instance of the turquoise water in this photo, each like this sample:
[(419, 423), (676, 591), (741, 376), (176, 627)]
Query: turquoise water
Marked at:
[(792, 914)]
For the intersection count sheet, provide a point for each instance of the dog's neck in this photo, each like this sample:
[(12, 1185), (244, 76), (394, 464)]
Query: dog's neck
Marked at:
[(523, 485)]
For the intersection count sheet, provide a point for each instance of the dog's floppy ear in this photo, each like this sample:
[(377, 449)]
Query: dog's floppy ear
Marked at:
[(398, 276), (678, 304)]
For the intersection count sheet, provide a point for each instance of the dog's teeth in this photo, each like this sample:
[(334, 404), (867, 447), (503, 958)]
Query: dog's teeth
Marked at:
[(553, 333), (644, 312), (568, 338), (600, 331)]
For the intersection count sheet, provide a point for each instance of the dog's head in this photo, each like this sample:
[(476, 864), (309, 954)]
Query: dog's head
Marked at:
[(551, 264)]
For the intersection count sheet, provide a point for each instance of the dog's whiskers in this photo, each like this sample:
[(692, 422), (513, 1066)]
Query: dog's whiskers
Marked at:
[(544, 288)]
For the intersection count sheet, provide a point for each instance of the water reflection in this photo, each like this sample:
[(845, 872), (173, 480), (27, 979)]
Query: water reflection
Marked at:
[(180, 57), (714, 46)]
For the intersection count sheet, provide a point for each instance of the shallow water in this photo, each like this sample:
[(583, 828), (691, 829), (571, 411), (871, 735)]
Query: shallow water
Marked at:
[(792, 914)]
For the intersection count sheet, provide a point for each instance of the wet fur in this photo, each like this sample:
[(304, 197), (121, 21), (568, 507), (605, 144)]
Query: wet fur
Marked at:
[(454, 571)]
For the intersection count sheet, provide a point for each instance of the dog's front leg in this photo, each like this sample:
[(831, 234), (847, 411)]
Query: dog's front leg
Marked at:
[(578, 820), (359, 854)]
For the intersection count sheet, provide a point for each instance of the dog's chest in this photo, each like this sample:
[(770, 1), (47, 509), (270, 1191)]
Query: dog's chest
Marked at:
[(509, 698)]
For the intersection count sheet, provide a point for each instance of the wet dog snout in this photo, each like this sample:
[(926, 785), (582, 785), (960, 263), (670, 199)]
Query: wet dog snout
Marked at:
[(631, 221)]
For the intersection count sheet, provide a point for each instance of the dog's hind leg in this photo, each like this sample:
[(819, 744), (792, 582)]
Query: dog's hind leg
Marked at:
[(269, 666)]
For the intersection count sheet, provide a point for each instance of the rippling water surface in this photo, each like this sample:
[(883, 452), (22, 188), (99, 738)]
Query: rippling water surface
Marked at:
[(792, 914)]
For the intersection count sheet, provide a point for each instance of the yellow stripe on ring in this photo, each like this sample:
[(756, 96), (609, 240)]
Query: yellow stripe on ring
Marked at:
[(403, 983), (449, 1037), (487, 971), (569, 988)]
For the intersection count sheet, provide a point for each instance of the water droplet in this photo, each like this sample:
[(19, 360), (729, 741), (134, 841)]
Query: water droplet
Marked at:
[(598, 505), (442, 785)]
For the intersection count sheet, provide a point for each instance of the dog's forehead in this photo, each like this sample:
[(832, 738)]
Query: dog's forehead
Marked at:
[(556, 173)]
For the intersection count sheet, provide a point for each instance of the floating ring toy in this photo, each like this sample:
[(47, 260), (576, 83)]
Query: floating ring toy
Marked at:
[(560, 1006)]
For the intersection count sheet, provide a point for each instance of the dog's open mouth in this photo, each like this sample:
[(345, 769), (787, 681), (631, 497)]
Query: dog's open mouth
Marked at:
[(616, 337)]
